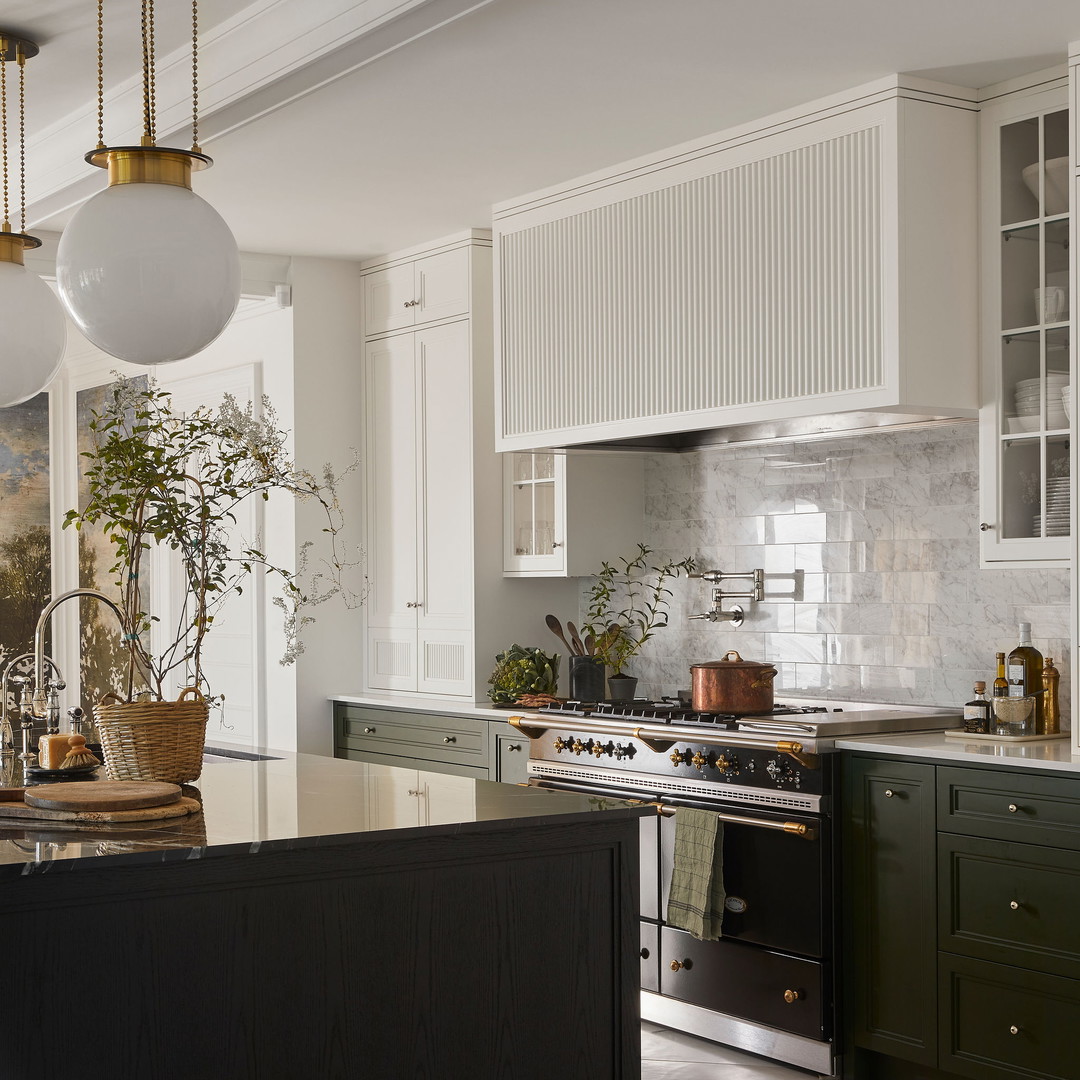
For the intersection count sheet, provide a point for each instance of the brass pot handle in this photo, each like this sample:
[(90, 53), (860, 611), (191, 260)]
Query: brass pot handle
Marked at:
[(731, 652)]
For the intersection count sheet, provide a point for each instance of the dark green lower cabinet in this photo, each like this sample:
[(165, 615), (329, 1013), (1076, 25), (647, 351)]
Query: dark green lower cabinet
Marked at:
[(892, 946), (1004, 1023)]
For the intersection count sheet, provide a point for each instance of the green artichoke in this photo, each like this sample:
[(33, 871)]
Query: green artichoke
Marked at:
[(523, 671)]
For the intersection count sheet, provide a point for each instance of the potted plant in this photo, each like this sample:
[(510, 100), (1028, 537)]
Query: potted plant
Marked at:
[(627, 604), (156, 477)]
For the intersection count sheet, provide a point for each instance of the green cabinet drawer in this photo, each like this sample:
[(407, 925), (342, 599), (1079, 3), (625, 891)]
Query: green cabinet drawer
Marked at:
[(1012, 903), (1003, 1023), (1010, 806), (399, 733)]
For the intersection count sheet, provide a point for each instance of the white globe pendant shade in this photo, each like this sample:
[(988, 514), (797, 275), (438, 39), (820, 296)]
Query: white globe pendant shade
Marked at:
[(149, 272), (35, 334)]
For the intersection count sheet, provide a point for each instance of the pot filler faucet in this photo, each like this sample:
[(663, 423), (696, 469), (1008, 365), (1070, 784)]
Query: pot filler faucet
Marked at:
[(733, 615), (43, 702)]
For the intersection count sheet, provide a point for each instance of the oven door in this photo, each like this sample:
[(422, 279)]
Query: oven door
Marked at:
[(777, 883)]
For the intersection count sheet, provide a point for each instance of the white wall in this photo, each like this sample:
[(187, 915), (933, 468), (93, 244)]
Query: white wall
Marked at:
[(328, 411)]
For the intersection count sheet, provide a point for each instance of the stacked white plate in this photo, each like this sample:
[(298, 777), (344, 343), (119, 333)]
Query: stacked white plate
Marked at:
[(1029, 398), (1056, 508)]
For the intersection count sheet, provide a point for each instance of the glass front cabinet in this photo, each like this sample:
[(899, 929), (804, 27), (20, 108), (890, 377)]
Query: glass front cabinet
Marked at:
[(1026, 368)]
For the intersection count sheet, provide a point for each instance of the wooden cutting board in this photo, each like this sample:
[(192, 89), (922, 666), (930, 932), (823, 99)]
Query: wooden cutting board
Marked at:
[(101, 795), (12, 813)]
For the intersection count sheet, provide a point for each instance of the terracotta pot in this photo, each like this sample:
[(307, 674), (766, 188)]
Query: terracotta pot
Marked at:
[(732, 685)]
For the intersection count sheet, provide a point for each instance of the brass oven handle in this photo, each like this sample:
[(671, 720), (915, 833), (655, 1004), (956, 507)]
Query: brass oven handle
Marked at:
[(795, 828)]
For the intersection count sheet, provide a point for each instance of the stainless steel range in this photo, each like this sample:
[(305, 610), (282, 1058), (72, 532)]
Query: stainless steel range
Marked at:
[(770, 985)]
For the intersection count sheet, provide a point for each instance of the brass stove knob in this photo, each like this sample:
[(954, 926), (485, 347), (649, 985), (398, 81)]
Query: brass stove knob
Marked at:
[(578, 747), (676, 758), (597, 750), (723, 763), (699, 761), (791, 996), (559, 745)]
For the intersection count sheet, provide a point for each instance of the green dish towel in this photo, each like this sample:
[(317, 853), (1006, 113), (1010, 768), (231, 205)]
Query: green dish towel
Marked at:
[(696, 897)]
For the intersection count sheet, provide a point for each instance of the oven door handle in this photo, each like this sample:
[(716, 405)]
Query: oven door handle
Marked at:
[(793, 828)]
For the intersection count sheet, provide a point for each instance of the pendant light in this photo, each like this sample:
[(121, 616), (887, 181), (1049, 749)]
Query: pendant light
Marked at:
[(34, 329), (149, 271)]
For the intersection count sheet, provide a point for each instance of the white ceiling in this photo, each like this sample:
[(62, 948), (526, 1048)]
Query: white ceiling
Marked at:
[(432, 110)]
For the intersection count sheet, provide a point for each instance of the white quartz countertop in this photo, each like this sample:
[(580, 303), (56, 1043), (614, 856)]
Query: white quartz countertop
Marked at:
[(1059, 755), (426, 703)]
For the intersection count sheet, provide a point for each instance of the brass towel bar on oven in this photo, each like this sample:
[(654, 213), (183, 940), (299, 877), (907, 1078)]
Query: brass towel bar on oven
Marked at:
[(794, 828)]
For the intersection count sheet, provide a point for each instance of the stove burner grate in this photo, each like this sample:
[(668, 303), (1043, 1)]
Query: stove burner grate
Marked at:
[(667, 711)]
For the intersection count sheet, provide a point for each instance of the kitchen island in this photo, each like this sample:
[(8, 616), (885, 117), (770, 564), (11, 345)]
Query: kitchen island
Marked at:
[(325, 918)]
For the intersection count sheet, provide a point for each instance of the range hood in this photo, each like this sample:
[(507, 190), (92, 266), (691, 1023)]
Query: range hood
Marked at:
[(790, 429)]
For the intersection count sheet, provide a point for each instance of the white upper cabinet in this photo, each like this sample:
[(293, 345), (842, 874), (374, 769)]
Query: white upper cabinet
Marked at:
[(1024, 427), (566, 514), (408, 294), (820, 261)]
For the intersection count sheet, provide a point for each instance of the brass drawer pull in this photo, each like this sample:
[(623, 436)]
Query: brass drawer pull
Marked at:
[(1014, 1030), (512, 747), (677, 965), (1014, 904), (791, 996), (889, 793), (450, 739), (369, 731)]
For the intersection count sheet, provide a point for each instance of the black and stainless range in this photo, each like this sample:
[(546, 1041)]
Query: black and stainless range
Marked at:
[(769, 985)]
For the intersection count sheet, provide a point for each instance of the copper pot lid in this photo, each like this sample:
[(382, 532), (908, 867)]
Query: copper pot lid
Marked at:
[(728, 663)]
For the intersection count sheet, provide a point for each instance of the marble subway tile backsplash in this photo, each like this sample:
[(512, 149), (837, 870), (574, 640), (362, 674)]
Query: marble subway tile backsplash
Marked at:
[(871, 552)]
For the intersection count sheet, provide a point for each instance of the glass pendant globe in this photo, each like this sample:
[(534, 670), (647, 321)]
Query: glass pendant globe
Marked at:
[(35, 334), (148, 272)]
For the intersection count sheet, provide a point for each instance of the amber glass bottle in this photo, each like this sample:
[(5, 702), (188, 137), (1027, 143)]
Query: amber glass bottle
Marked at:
[(1024, 672), (1001, 684)]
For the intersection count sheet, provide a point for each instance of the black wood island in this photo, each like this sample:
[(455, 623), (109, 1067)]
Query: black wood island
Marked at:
[(323, 919)]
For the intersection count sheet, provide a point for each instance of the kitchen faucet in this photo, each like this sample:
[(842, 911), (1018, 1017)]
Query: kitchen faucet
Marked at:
[(44, 701), (56, 683)]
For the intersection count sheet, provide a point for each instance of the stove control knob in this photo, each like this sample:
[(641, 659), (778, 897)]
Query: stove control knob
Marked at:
[(559, 745), (578, 746), (599, 750), (676, 758), (699, 761), (775, 770), (726, 764)]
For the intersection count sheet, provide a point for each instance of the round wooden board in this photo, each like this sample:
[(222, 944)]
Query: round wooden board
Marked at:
[(103, 795)]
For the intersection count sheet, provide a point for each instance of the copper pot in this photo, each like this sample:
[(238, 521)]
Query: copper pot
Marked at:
[(732, 685)]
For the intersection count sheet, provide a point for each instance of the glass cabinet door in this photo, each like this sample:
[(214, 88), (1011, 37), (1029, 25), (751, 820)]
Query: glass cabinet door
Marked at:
[(1030, 361), (533, 533)]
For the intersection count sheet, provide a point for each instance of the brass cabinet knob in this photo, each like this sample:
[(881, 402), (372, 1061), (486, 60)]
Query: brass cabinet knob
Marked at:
[(1014, 1030), (1014, 904), (512, 747), (791, 996), (1013, 808), (450, 739), (985, 526), (889, 793), (369, 731), (678, 965)]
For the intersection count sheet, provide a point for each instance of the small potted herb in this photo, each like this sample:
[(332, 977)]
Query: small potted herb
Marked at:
[(627, 604)]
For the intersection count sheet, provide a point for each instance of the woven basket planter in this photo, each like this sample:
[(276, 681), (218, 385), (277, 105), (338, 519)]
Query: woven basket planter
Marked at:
[(153, 740)]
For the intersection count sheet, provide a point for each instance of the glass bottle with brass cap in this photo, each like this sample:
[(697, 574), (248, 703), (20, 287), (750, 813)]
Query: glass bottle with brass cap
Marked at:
[(1051, 709)]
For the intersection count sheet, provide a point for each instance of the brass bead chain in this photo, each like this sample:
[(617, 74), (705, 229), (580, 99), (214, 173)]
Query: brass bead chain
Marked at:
[(195, 76), (153, 68), (4, 128), (21, 58), (101, 75)]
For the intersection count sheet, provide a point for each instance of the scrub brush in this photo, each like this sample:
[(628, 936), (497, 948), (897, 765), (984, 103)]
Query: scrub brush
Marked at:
[(78, 757)]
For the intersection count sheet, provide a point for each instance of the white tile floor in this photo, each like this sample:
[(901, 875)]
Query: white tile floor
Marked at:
[(671, 1055)]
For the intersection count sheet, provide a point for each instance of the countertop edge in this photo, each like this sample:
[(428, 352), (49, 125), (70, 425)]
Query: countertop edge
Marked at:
[(1060, 756)]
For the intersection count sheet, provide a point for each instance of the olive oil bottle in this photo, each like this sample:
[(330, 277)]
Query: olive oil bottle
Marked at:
[(1024, 672)]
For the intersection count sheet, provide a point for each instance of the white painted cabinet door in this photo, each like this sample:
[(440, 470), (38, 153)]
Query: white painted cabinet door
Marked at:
[(391, 513), (389, 299), (444, 483), (442, 285)]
